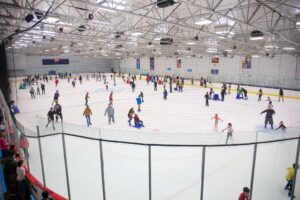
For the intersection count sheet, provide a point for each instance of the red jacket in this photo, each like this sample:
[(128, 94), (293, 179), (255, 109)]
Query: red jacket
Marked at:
[(243, 197)]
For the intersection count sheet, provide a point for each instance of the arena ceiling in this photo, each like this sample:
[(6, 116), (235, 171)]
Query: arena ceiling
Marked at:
[(134, 28)]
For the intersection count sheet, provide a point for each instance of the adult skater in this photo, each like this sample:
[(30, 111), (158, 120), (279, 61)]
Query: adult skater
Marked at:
[(170, 84), (245, 195), (260, 93), (56, 96), (155, 85), (139, 103), (86, 98), (110, 98), (130, 115), (290, 177), (74, 83), (223, 91), (87, 113), (206, 96), (137, 122), (38, 90), (229, 132), (106, 86), (211, 92), (165, 94), (80, 79), (58, 112), (110, 111), (281, 126), (43, 88), (32, 92), (245, 93), (280, 95), (56, 81), (142, 96), (133, 86), (50, 116), (217, 119), (269, 116)]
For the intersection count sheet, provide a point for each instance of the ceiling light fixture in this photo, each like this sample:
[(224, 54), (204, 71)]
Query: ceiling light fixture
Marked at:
[(256, 38), (52, 20), (191, 43), (288, 48), (203, 21), (136, 34)]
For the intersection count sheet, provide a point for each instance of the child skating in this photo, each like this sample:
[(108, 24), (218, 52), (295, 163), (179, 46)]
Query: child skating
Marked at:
[(130, 115), (260, 93), (280, 96), (50, 117), (165, 94), (229, 132), (137, 122), (110, 98), (216, 118), (139, 103), (86, 98), (206, 96), (87, 113), (142, 96), (110, 111)]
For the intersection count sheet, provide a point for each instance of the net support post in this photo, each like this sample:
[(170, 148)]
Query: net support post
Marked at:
[(102, 169), (41, 155), (66, 164), (253, 170), (296, 170), (202, 172)]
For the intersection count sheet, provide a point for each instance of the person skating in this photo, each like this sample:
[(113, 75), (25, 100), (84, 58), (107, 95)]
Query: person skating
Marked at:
[(229, 88), (56, 82), (170, 84), (280, 95), (155, 85), (110, 98), (142, 96), (281, 126), (245, 195), (245, 93), (58, 112), (139, 103), (290, 179), (270, 101), (133, 86), (229, 132), (206, 96), (80, 79), (223, 91), (260, 93), (74, 83), (43, 89), (38, 90), (137, 122), (56, 96), (211, 92), (106, 86), (217, 119), (50, 116), (130, 115), (86, 98), (32, 92), (269, 116), (110, 111), (165, 94), (87, 113)]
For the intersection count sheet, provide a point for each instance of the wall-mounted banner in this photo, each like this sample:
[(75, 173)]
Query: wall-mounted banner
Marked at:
[(215, 59), (55, 61), (178, 65), (189, 70), (152, 63), (214, 71), (169, 69), (247, 63), (138, 63)]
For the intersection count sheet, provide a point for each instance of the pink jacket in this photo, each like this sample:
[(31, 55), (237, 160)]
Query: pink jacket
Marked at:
[(4, 144), (24, 142)]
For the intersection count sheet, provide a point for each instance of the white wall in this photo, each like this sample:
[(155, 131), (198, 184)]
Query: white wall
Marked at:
[(25, 65), (280, 71)]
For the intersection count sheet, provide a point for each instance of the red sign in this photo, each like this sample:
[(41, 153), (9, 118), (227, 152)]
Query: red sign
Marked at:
[(56, 59)]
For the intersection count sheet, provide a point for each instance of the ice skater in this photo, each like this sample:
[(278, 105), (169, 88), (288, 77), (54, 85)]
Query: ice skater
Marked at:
[(280, 96), (139, 103), (270, 101), (206, 96), (133, 86), (110, 111), (32, 92), (43, 89), (137, 122), (290, 177), (260, 93), (223, 91), (245, 93), (130, 115), (211, 92), (110, 98), (155, 85), (38, 90), (229, 88), (165, 94), (106, 86), (58, 112), (74, 83), (217, 119), (87, 113), (56, 96), (56, 81), (229, 132), (86, 98), (245, 195), (281, 126), (80, 79), (269, 116), (142, 96), (50, 117)]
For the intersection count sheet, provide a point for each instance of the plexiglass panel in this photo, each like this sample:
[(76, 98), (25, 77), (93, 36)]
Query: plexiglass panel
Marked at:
[(84, 168), (297, 186), (227, 171), (272, 161), (34, 159), (54, 164), (176, 173), (126, 171)]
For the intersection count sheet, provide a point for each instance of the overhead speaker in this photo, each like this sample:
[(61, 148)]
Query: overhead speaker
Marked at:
[(91, 16), (61, 29), (165, 3), (29, 18), (81, 28), (166, 41), (257, 33)]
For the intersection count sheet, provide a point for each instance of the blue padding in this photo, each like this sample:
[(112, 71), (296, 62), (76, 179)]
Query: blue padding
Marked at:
[(3, 185)]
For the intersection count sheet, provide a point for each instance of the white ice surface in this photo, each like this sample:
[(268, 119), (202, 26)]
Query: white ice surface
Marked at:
[(176, 171)]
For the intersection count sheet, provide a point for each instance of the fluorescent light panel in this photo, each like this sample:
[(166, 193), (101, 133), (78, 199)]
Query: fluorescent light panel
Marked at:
[(288, 48), (203, 21)]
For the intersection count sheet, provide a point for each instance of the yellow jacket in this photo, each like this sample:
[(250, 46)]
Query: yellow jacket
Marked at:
[(87, 112), (291, 173)]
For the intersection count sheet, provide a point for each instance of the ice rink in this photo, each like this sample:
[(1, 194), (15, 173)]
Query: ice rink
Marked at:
[(182, 119)]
